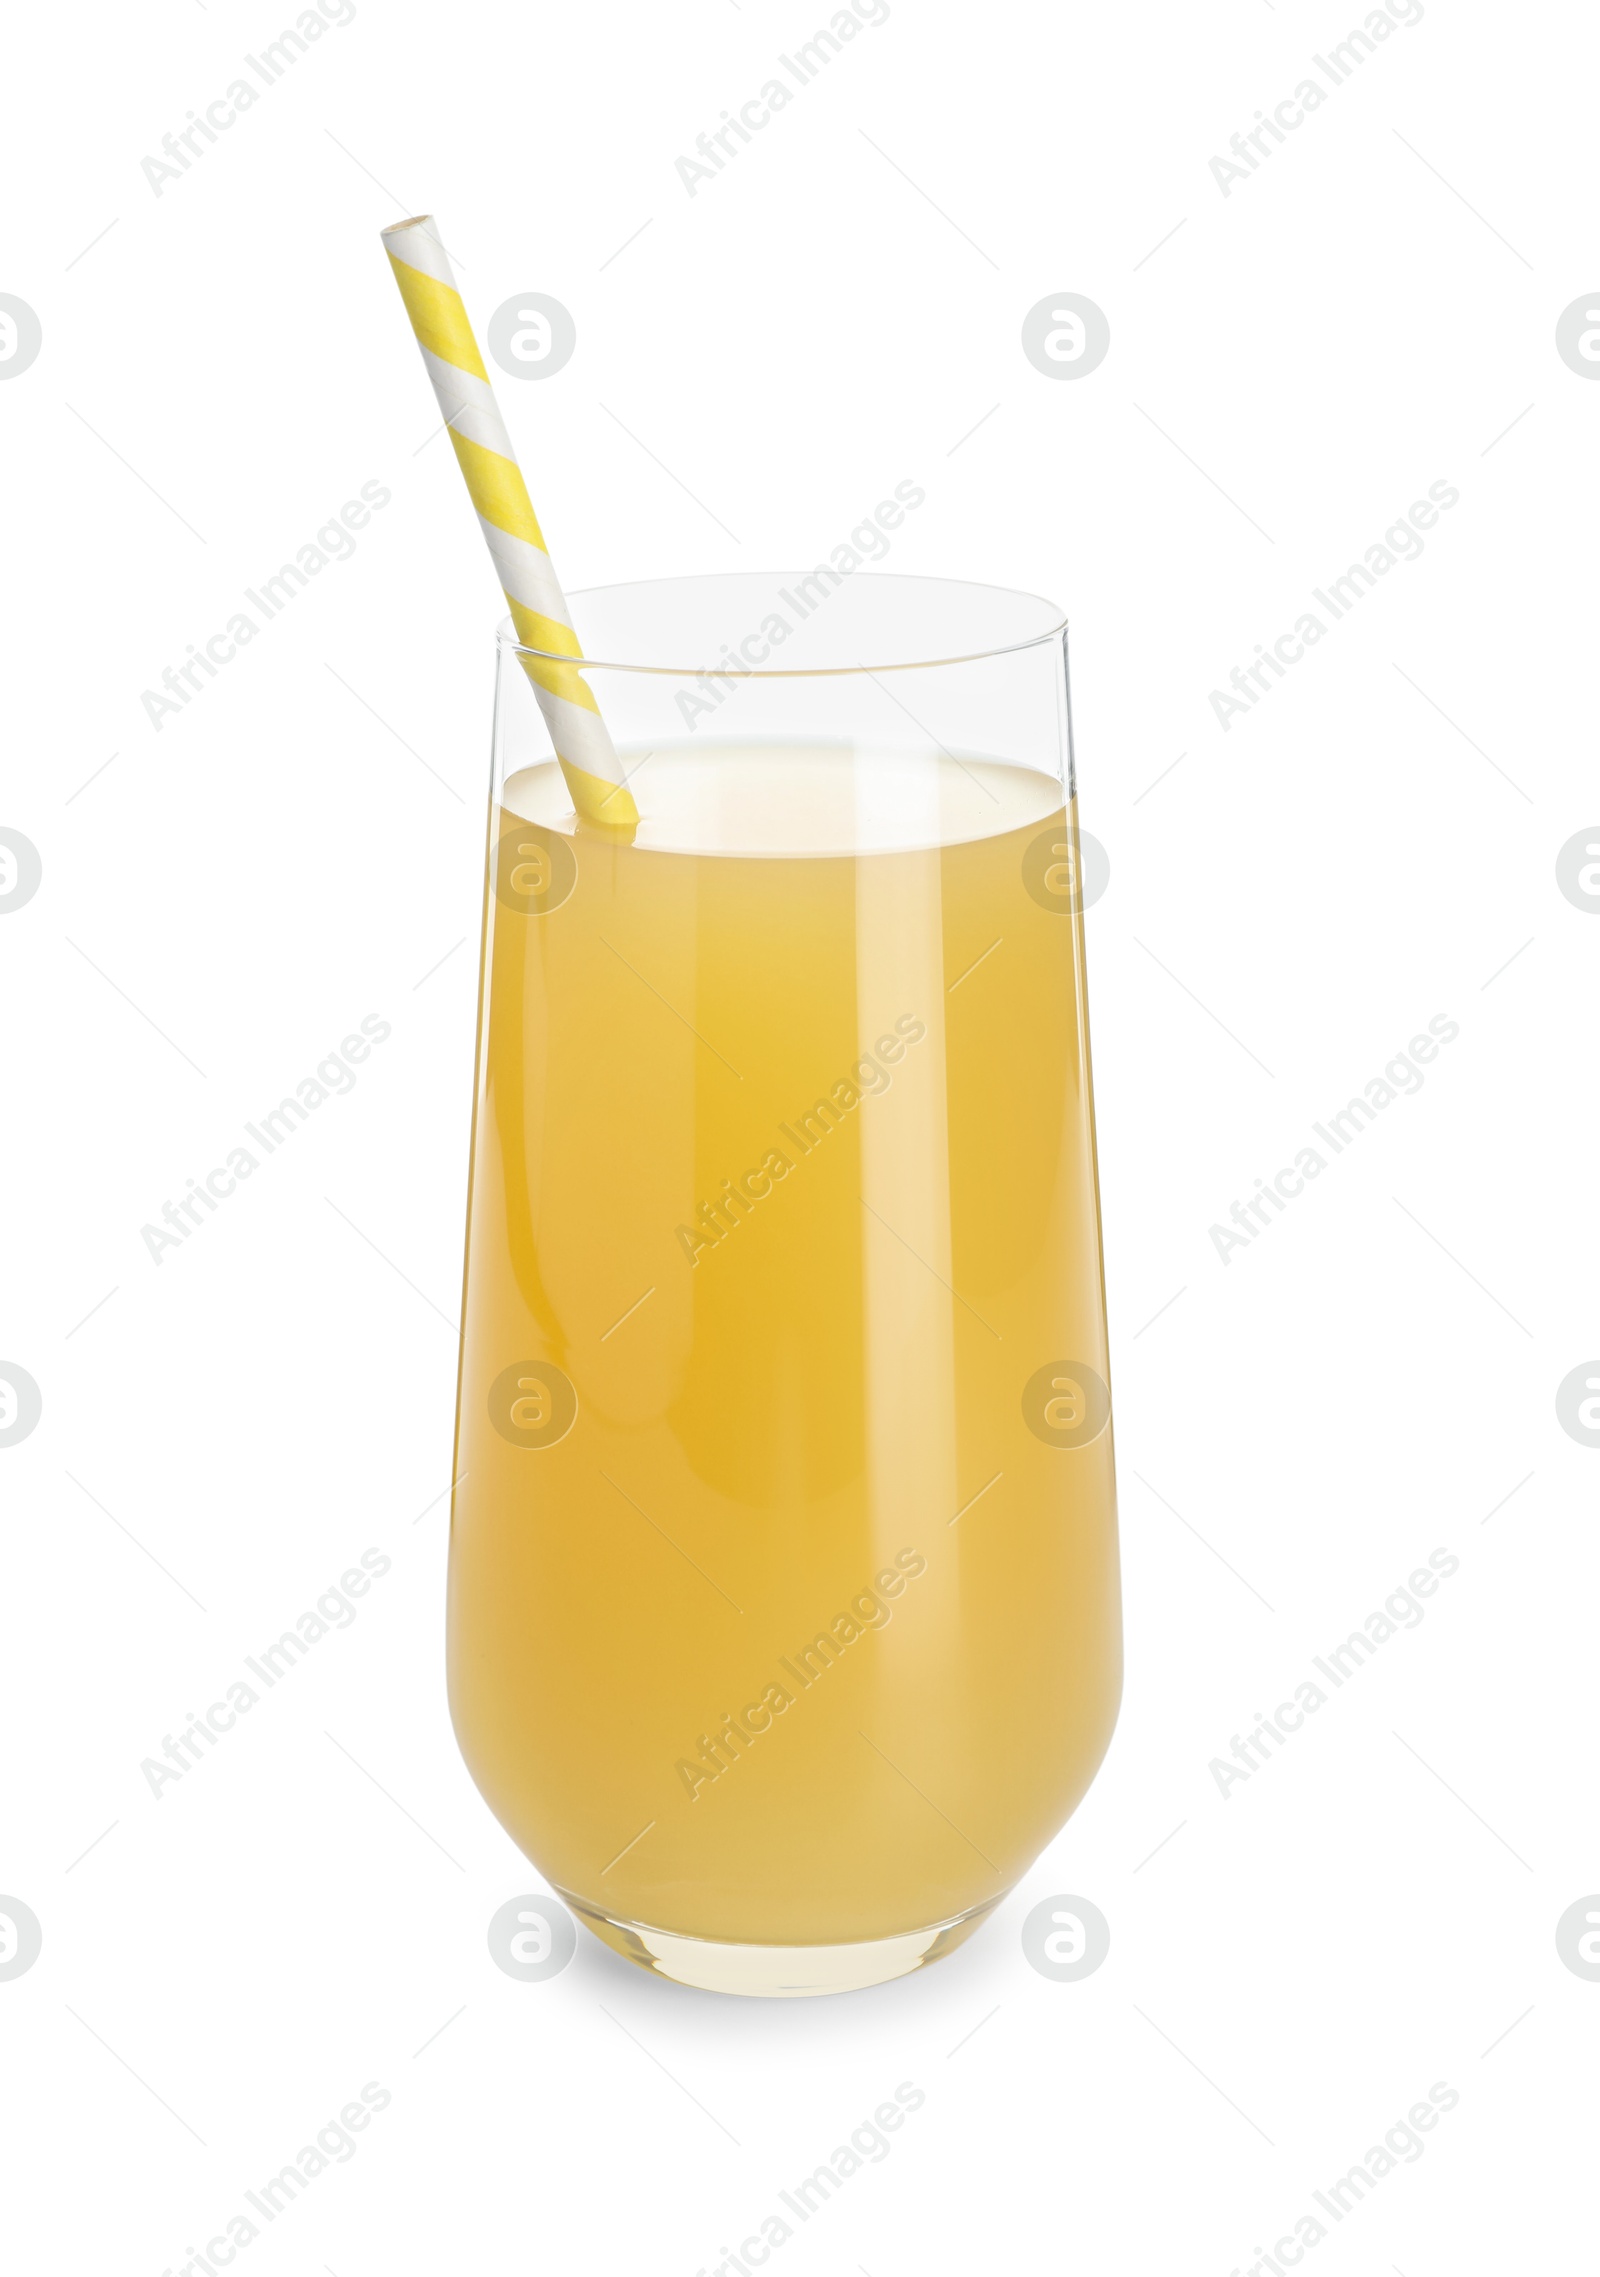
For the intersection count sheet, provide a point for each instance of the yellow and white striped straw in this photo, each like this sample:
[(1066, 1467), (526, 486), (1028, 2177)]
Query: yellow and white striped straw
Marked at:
[(483, 449)]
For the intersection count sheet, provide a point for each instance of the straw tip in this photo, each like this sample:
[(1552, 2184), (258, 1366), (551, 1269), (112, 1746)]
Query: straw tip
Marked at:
[(416, 221)]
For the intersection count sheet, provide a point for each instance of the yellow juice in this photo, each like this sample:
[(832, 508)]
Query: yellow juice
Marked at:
[(784, 1599)]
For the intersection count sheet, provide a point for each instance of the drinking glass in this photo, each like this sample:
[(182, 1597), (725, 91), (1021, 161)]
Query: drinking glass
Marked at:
[(784, 1624)]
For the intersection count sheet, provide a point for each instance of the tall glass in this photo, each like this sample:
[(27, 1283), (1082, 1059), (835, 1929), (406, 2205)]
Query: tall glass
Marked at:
[(784, 1616)]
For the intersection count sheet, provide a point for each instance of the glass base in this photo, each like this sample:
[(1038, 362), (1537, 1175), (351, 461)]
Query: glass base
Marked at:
[(778, 1972)]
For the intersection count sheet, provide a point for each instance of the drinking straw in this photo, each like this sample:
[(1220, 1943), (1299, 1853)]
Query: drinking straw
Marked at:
[(494, 481)]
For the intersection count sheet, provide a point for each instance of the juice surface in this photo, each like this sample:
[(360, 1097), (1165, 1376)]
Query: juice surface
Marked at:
[(784, 1600)]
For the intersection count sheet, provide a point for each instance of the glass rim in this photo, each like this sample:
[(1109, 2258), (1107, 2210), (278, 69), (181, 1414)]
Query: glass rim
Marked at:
[(506, 637)]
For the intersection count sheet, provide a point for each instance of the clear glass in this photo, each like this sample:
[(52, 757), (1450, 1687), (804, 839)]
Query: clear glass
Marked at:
[(784, 1622)]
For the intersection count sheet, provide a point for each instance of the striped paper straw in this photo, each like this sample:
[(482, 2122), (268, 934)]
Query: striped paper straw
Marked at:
[(483, 450)]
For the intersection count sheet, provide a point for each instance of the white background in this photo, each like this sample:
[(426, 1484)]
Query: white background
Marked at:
[(226, 363)]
